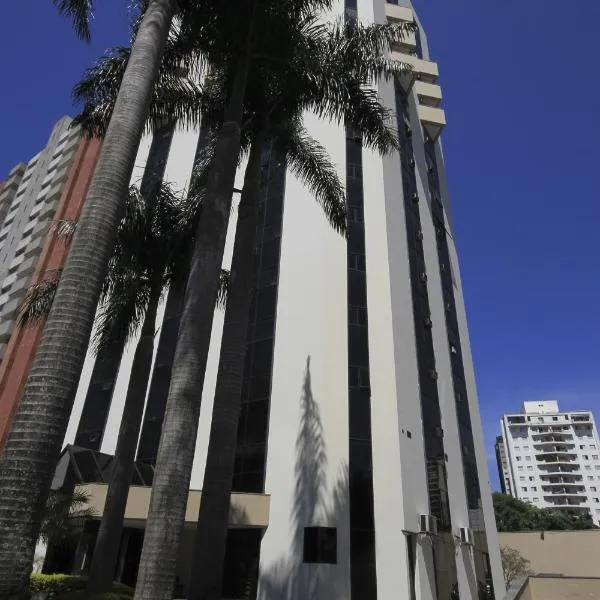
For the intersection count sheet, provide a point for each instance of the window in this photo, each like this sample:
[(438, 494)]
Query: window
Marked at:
[(593, 446), (536, 499), (531, 479), (520, 468), (320, 545), (534, 489), (530, 468), (586, 457), (521, 478), (588, 468), (555, 418), (581, 446), (597, 467), (590, 478), (592, 489), (518, 458), (528, 458), (596, 500), (524, 489), (516, 447), (594, 457)]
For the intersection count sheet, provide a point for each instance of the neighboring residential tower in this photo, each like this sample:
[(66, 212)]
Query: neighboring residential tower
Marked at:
[(553, 457)]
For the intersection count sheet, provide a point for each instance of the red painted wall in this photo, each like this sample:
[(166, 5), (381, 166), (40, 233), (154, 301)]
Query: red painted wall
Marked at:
[(22, 345)]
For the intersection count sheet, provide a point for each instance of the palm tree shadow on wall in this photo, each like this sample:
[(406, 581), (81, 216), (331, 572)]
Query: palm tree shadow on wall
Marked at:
[(316, 502)]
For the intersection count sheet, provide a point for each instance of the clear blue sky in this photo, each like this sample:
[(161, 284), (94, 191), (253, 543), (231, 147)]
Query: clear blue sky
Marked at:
[(522, 98)]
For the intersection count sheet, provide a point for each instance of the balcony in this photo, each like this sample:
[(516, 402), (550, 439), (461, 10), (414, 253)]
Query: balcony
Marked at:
[(402, 14), (11, 307), (580, 418), (565, 500), (423, 70), (558, 462), (6, 329), (18, 169), (393, 12), (429, 94), (433, 120), (555, 450), (558, 488), (566, 478)]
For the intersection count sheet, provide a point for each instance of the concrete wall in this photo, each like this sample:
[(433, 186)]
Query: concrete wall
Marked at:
[(570, 553), (552, 588)]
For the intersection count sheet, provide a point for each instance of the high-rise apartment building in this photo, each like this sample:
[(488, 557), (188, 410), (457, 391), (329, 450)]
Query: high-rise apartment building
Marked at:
[(502, 463), (360, 468), (552, 457), (51, 187)]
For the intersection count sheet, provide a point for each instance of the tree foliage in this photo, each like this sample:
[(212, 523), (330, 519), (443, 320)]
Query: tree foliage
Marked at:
[(514, 564), (513, 514), (65, 515)]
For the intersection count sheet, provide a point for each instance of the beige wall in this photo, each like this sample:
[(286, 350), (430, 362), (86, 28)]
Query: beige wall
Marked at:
[(552, 588), (570, 553), (251, 510)]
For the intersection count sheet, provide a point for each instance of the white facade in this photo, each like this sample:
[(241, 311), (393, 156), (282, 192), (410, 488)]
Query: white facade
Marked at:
[(553, 457), (30, 198), (319, 441)]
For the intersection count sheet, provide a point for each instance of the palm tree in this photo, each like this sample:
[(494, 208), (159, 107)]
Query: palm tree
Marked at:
[(33, 445), (65, 515), (363, 106), (152, 248), (79, 12), (308, 160), (146, 260), (360, 52), (326, 71)]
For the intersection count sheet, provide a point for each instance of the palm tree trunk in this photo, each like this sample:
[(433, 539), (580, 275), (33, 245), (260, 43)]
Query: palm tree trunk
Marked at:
[(158, 563), (106, 550), (213, 519), (33, 446)]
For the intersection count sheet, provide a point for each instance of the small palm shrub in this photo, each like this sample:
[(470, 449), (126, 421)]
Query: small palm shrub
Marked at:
[(72, 587)]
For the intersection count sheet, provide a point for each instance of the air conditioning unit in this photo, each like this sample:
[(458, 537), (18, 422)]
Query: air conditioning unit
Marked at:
[(466, 536), (428, 524)]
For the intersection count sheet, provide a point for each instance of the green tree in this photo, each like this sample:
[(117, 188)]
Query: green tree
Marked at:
[(152, 248), (33, 445), (65, 515), (514, 564), (513, 514), (79, 11)]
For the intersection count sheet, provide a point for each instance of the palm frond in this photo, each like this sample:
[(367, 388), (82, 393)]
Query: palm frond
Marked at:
[(80, 12), (147, 249), (177, 94), (37, 302), (65, 515), (310, 162), (373, 121), (122, 312), (64, 229), (223, 289)]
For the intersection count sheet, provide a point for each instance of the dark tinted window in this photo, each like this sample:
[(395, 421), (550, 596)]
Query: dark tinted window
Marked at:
[(320, 545)]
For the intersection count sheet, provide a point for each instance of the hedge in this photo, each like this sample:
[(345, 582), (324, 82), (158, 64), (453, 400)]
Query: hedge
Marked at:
[(72, 587)]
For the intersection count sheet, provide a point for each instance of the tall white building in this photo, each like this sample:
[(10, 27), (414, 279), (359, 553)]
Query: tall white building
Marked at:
[(27, 204), (360, 470), (553, 457)]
